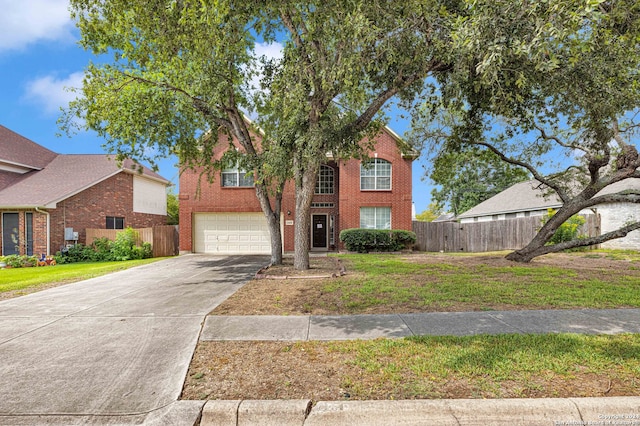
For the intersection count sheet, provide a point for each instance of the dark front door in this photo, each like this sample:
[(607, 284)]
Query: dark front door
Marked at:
[(10, 234), (319, 231)]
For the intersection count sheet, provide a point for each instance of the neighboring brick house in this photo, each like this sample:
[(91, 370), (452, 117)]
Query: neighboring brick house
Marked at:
[(225, 217), (47, 200)]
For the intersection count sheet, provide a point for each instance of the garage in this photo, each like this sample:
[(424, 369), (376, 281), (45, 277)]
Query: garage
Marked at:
[(231, 233)]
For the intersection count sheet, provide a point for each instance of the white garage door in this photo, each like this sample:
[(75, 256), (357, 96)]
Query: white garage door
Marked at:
[(231, 233)]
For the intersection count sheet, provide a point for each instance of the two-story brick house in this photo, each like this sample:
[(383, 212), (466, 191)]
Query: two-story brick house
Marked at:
[(224, 217)]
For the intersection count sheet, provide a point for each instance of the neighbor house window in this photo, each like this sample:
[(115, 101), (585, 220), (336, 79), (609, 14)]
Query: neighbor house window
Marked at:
[(28, 232), (375, 175), (324, 184), (114, 222), (235, 177), (375, 217)]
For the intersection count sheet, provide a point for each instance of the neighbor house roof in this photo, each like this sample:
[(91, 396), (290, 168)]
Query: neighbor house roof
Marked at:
[(530, 196), (22, 153), (32, 176), (521, 197)]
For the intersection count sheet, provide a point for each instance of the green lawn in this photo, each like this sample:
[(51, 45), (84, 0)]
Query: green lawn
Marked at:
[(494, 366), (427, 367), (461, 283), (22, 278)]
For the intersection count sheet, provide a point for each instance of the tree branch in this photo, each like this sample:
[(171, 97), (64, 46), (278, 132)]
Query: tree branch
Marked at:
[(585, 242), (557, 140), (540, 178), (299, 42), (198, 103), (365, 118)]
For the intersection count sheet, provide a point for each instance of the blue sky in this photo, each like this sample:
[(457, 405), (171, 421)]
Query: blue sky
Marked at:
[(40, 57)]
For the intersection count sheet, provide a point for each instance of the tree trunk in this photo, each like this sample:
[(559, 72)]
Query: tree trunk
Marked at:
[(538, 245), (305, 181), (276, 239), (273, 221)]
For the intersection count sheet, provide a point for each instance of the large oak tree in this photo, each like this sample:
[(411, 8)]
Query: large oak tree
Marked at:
[(552, 87), (179, 68)]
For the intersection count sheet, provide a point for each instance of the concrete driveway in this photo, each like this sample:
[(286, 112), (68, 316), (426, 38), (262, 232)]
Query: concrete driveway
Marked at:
[(113, 349)]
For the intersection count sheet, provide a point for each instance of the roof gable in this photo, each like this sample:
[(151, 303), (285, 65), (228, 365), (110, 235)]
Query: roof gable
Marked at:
[(64, 177), (521, 197)]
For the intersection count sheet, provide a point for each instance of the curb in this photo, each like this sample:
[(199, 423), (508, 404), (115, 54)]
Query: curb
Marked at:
[(256, 412), (458, 412)]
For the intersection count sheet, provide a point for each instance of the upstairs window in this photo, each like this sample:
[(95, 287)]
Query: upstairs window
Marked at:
[(237, 178), (324, 184), (375, 175)]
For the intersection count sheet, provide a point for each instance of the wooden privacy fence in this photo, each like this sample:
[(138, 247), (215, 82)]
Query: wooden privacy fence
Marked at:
[(508, 234), (163, 239)]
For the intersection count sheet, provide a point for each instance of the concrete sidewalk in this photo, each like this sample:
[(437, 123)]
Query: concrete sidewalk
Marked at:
[(456, 412), (347, 327)]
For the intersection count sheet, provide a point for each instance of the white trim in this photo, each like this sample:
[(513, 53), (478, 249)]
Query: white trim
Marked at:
[(7, 167)]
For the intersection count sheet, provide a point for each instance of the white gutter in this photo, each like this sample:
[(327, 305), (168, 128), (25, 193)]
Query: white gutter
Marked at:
[(48, 229)]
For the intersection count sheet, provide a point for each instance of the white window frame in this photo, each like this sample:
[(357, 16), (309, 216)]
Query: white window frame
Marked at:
[(373, 169), (325, 184), (379, 221), (241, 178)]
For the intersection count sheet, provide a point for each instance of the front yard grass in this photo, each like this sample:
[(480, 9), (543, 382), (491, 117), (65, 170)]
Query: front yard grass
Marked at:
[(19, 281), (383, 283), (426, 367), (503, 366)]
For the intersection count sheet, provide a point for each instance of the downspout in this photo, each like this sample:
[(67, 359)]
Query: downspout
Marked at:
[(48, 228)]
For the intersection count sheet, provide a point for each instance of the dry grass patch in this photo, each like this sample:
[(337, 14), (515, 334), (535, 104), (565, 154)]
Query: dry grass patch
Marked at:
[(507, 366), (379, 284)]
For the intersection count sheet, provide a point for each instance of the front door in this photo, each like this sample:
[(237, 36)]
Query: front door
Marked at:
[(10, 234), (319, 231)]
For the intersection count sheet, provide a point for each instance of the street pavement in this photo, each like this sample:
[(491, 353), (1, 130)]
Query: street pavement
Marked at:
[(113, 349)]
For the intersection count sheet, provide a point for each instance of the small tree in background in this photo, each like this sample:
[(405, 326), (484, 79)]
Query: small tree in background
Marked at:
[(173, 209), (432, 212), (570, 230)]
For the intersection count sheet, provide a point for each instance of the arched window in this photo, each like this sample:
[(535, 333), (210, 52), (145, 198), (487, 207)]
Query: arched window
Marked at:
[(375, 175), (324, 184)]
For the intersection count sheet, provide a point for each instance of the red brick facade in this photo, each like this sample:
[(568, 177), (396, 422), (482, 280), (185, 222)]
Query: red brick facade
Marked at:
[(199, 196), (87, 209)]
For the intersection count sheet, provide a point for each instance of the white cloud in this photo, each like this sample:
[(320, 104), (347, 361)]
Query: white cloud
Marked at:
[(23, 22), (271, 50), (52, 93)]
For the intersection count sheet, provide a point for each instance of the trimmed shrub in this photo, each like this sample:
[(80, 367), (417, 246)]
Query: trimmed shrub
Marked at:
[(365, 240), (19, 261), (125, 247)]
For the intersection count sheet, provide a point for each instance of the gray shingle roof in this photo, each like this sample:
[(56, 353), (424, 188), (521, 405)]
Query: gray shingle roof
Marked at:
[(46, 178), (529, 196), (521, 197), (20, 151)]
